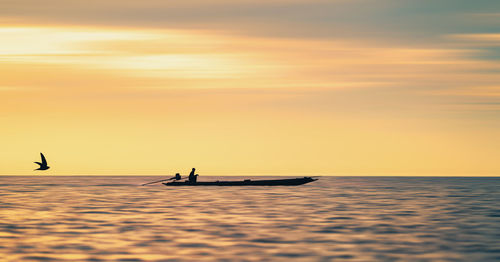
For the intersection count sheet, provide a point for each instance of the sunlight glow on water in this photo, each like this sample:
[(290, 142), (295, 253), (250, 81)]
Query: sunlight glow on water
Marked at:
[(335, 218)]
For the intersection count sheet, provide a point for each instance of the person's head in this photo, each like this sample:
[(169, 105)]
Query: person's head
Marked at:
[(194, 168)]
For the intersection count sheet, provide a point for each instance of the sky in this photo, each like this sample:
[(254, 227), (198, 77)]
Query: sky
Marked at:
[(275, 87)]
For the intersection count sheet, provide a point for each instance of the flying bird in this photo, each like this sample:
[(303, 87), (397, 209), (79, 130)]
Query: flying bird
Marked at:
[(43, 165)]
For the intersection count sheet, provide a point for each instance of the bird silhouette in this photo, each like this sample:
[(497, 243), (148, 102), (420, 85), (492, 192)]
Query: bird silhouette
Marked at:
[(43, 165)]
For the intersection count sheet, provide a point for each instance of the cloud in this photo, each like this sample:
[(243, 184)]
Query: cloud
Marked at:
[(479, 39), (119, 63), (400, 21), (474, 91)]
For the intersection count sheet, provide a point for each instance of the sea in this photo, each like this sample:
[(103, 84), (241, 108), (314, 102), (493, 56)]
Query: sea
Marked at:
[(114, 218)]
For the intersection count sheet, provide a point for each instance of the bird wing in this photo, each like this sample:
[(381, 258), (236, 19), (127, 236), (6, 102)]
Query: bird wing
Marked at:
[(38, 163), (44, 161)]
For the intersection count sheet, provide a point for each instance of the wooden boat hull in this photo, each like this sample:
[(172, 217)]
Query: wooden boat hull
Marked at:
[(248, 182)]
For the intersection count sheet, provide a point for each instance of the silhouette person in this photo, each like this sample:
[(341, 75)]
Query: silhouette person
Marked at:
[(192, 177), (176, 177), (43, 165)]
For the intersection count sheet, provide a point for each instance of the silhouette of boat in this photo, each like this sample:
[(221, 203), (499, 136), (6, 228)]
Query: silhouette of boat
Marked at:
[(248, 182)]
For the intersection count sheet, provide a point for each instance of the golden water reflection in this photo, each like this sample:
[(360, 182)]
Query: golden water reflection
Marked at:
[(352, 219)]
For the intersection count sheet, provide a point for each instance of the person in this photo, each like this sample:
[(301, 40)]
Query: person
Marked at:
[(176, 177), (192, 176)]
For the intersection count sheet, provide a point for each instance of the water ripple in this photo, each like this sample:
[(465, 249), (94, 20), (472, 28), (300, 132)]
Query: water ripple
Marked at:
[(336, 218)]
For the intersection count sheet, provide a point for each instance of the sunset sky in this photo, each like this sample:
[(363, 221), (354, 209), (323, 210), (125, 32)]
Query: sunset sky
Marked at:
[(274, 87)]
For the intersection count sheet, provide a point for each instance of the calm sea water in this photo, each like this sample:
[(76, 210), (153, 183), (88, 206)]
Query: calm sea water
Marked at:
[(335, 218)]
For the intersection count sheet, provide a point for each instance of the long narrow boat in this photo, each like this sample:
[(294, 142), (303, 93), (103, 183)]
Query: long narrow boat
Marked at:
[(248, 182)]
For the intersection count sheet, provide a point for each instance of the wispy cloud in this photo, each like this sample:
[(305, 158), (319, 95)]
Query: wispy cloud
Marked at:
[(474, 91), (269, 62), (479, 39)]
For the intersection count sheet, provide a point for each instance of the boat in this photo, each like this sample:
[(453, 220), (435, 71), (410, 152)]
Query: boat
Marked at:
[(247, 182)]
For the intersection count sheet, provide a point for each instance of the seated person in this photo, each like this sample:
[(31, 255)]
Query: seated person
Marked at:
[(192, 176), (176, 177)]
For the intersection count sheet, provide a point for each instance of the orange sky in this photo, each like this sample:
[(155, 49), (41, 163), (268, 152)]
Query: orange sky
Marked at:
[(246, 93)]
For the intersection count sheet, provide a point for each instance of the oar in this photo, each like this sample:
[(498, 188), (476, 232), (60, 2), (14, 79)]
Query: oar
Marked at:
[(157, 181)]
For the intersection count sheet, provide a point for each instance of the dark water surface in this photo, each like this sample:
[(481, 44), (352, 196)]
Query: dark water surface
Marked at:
[(335, 218)]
